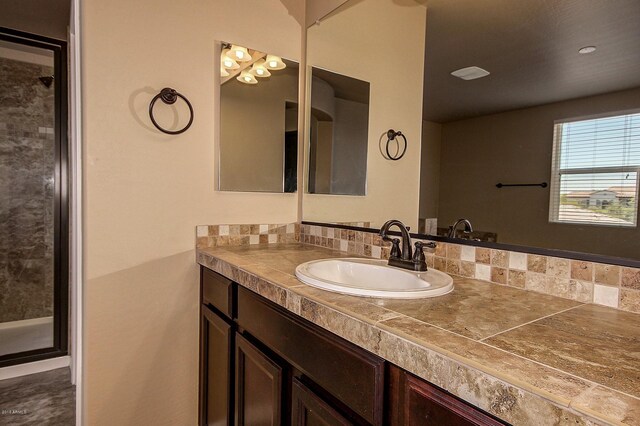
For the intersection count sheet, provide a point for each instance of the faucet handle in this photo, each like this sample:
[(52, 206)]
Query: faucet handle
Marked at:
[(430, 244), (395, 248), (419, 261)]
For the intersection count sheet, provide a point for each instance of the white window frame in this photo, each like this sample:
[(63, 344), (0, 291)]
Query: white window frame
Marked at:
[(557, 172)]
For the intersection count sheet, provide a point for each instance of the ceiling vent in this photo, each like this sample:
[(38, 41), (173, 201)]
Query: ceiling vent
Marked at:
[(470, 73)]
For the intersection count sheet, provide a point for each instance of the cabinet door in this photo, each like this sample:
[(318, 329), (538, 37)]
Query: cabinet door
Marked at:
[(308, 409), (258, 384), (215, 369), (416, 402)]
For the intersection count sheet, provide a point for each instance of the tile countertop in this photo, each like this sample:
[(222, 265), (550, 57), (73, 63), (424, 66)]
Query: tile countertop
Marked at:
[(528, 358)]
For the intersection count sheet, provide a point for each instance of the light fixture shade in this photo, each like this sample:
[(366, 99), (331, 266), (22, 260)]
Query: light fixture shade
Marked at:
[(239, 53), (274, 62), (223, 72), (259, 70), (247, 78), (227, 62)]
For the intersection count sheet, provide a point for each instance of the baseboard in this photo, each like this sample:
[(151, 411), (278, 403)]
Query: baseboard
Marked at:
[(34, 367)]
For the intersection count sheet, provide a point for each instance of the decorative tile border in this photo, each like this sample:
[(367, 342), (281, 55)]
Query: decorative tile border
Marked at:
[(237, 235), (588, 282)]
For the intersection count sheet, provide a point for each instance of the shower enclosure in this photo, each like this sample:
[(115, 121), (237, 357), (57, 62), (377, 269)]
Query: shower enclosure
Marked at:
[(33, 198)]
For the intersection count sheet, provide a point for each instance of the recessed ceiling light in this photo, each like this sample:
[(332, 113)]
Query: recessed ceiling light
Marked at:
[(470, 73), (587, 49)]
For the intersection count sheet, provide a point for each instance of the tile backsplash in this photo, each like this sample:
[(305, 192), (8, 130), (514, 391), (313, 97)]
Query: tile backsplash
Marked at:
[(237, 235), (588, 282)]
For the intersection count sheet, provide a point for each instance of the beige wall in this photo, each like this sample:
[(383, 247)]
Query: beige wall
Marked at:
[(145, 192), (252, 127), (430, 169), (324, 140), (515, 147), (317, 9), (360, 41), (349, 150)]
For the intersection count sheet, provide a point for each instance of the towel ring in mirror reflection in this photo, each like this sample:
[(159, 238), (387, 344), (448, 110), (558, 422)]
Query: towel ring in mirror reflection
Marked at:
[(169, 96), (391, 136)]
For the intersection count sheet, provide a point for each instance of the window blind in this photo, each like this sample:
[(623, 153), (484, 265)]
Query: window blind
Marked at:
[(594, 176)]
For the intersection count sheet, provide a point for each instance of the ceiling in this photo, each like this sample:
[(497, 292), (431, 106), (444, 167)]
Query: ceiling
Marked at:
[(347, 88), (49, 18), (530, 47)]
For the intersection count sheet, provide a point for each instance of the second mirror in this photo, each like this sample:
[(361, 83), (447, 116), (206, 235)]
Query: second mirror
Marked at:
[(338, 134)]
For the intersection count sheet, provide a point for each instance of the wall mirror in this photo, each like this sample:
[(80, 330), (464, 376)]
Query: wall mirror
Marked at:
[(365, 59), (258, 145), (338, 134), (534, 93)]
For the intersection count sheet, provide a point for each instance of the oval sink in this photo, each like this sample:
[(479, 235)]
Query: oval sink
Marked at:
[(373, 278)]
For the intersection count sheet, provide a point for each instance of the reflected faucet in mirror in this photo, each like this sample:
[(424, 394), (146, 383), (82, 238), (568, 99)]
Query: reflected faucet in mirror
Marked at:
[(468, 229), (403, 258)]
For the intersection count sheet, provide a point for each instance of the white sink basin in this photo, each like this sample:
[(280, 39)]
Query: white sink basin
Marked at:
[(373, 278)]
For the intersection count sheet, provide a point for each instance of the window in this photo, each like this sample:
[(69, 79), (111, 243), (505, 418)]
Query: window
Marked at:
[(594, 176)]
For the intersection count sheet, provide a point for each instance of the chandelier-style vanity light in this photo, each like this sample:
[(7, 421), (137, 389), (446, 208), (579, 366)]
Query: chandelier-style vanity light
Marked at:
[(274, 62), (259, 69), (239, 53), (233, 56), (247, 78), (227, 62)]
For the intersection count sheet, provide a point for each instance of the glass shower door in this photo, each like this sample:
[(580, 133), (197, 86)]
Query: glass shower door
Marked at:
[(30, 199)]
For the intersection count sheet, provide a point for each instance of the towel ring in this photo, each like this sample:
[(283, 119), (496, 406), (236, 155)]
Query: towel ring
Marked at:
[(169, 96), (392, 135)]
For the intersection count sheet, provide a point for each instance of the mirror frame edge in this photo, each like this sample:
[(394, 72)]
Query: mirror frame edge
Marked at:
[(564, 254)]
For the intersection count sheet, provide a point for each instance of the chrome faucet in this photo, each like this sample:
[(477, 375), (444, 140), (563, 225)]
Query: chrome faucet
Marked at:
[(403, 258), (453, 229)]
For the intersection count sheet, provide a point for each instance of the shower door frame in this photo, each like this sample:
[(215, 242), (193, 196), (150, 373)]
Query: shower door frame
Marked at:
[(61, 196)]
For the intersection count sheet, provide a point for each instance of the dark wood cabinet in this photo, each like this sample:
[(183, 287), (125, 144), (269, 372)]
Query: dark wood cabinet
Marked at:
[(415, 402), (259, 391), (350, 374), (262, 365), (308, 409), (216, 343)]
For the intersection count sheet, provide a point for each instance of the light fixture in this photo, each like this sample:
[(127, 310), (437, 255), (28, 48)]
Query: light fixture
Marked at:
[(227, 62), (259, 69), (587, 49), (239, 53), (274, 62), (247, 78), (470, 73), (223, 72)]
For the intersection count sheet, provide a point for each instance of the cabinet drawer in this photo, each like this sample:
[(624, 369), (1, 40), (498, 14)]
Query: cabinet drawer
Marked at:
[(217, 291), (349, 373)]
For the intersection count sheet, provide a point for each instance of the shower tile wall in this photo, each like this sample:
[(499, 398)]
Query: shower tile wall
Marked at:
[(26, 191)]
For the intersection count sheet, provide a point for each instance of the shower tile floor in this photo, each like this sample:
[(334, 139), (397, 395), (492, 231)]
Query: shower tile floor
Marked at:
[(20, 336), (43, 399)]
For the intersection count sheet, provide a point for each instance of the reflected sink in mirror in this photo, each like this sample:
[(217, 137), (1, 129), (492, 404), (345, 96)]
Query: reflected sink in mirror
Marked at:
[(373, 278)]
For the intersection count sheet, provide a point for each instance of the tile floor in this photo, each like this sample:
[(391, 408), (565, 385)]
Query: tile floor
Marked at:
[(43, 399)]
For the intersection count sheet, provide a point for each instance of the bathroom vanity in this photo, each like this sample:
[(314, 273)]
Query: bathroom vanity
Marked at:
[(263, 365), (277, 351)]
